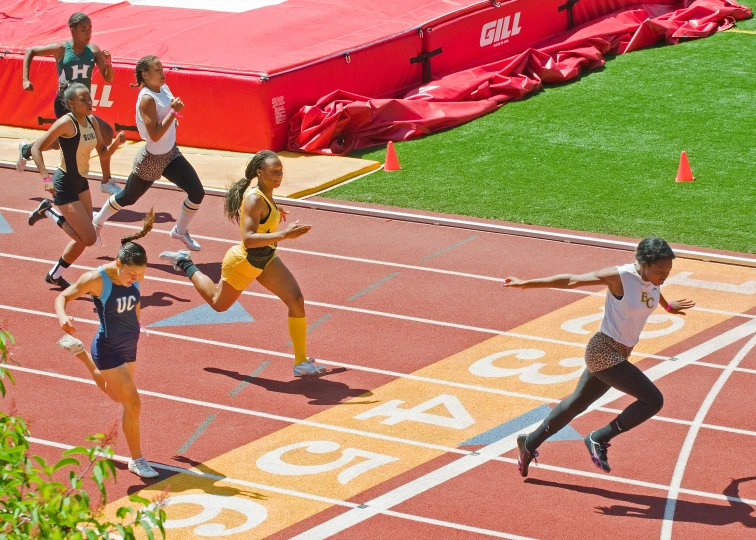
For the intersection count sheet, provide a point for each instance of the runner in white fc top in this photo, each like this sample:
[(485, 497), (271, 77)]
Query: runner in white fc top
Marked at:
[(632, 296)]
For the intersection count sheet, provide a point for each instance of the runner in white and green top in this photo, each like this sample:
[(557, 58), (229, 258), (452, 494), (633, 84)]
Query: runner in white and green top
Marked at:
[(75, 60)]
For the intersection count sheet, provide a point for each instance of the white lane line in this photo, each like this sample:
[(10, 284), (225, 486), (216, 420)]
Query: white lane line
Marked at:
[(720, 366), (466, 463), (690, 439), (631, 482), (258, 414), (492, 456), (395, 374), (293, 493), (386, 263), (482, 226), (339, 307)]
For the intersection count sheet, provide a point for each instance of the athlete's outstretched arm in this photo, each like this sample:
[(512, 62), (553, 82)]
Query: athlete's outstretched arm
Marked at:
[(55, 50), (88, 283), (676, 306), (608, 277)]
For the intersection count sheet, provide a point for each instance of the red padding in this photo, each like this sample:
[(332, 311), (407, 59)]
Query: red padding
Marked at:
[(340, 122)]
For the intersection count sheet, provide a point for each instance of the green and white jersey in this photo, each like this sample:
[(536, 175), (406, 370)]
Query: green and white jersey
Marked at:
[(75, 68)]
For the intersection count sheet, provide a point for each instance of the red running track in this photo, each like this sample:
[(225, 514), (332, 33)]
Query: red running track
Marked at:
[(394, 320)]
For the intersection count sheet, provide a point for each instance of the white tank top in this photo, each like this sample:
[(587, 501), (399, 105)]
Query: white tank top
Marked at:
[(624, 319), (163, 105)]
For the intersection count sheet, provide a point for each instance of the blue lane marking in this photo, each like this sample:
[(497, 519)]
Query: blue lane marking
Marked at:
[(516, 424), (204, 314)]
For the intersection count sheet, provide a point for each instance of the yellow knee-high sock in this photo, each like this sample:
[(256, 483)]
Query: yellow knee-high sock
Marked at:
[(298, 333)]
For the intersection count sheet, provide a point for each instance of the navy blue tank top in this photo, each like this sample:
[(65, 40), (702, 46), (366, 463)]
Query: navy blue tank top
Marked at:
[(116, 307)]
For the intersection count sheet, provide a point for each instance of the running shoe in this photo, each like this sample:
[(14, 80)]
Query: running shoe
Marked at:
[(174, 257), (524, 456), (598, 453), (39, 212), (110, 187), (71, 344), (186, 239), (60, 282), (21, 161), (141, 468), (309, 369)]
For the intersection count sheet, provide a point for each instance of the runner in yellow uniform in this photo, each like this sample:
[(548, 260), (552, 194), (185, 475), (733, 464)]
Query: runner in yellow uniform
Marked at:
[(255, 258)]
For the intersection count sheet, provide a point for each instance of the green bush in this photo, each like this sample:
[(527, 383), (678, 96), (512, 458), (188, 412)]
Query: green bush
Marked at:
[(33, 505)]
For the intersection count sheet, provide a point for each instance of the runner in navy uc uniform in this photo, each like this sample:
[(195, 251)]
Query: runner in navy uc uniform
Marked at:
[(115, 290)]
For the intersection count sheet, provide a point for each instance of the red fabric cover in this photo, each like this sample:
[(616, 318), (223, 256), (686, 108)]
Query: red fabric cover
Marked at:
[(340, 121)]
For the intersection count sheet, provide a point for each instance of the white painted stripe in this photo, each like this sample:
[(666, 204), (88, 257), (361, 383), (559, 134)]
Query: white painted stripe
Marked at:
[(339, 307), (298, 494), (395, 374), (508, 229), (630, 481), (411, 517), (466, 463), (720, 366), (385, 263), (476, 226), (687, 447), (259, 414)]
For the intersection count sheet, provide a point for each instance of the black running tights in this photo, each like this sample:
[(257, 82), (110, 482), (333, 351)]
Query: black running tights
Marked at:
[(626, 378), (179, 171)]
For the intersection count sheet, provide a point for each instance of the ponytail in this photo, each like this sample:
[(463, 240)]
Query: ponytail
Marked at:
[(131, 253), (234, 197)]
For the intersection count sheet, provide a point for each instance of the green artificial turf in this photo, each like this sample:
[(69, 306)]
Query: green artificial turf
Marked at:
[(600, 154)]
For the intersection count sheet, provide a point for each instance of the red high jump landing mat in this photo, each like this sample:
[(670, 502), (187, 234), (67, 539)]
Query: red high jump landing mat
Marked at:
[(246, 67)]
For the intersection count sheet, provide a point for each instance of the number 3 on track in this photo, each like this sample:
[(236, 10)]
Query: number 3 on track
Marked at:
[(531, 373)]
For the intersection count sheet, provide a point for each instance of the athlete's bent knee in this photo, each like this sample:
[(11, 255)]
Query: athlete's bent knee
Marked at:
[(132, 403), (88, 239), (127, 197), (654, 402), (196, 194)]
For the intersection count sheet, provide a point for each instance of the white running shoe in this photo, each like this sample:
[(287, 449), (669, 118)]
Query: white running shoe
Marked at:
[(21, 161), (174, 256), (309, 369), (71, 344), (186, 239), (140, 467), (98, 232), (110, 187)]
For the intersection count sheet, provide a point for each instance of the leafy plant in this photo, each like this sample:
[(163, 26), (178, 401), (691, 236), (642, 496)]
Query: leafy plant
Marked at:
[(34, 504)]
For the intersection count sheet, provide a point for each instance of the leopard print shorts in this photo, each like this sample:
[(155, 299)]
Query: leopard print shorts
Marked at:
[(603, 352), (150, 167)]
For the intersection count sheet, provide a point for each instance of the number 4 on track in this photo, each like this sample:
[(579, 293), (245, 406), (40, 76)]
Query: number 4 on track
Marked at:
[(459, 419)]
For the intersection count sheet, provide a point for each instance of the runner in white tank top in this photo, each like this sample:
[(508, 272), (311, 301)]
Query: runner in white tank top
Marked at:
[(156, 112), (162, 101), (632, 296)]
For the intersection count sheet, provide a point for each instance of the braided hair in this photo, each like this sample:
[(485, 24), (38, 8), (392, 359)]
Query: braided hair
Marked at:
[(77, 18), (233, 199), (131, 253), (142, 65)]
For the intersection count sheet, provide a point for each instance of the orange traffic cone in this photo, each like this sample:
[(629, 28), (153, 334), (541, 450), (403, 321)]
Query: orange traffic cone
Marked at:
[(392, 162), (684, 174)]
